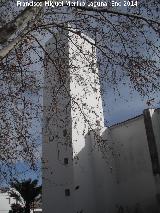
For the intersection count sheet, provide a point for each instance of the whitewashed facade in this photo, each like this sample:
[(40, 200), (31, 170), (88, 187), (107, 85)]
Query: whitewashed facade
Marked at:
[(88, 168), (5, 202)]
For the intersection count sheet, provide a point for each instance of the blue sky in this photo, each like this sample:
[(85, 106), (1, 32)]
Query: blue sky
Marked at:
[(129, 104)]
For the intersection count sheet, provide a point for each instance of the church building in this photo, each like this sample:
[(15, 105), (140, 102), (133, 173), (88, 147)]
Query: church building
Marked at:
[(87, 167)]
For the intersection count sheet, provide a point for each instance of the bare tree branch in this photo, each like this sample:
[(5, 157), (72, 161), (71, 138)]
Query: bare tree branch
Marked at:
[(119, 13), (26, 16)]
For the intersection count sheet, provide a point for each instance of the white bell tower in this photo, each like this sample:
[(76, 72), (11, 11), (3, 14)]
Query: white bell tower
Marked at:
[(72, 107)]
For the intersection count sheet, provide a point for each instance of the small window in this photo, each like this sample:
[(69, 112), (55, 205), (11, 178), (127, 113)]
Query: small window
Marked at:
[(67, 192), (9, 200), (65, 161), (77, 187)]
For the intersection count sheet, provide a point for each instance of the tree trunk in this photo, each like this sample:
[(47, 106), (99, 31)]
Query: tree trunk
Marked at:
[(27, 208)]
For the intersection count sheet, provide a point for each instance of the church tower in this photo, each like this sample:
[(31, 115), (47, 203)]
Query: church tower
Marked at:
[(72, 108)]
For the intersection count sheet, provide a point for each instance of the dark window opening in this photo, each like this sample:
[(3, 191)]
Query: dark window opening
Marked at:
[(65, 161), (77, 187), (67, 192), (9, 200)]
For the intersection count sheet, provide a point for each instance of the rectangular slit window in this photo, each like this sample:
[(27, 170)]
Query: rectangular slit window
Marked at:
[(9, 200), (65, 161), (67, 192)]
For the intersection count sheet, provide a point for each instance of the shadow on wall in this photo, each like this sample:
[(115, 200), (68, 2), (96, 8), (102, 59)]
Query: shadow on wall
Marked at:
[(100, 166)]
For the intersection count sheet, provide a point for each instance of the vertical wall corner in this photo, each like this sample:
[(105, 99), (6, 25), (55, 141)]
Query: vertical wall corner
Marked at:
[(148, 113)]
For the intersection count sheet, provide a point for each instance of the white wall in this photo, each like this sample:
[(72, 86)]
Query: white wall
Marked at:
[(136, 189), (5, 202), (36, 211), (87, 115), (104, 171), (72, 107), (57, 129), (122, 167), (109, 170)]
